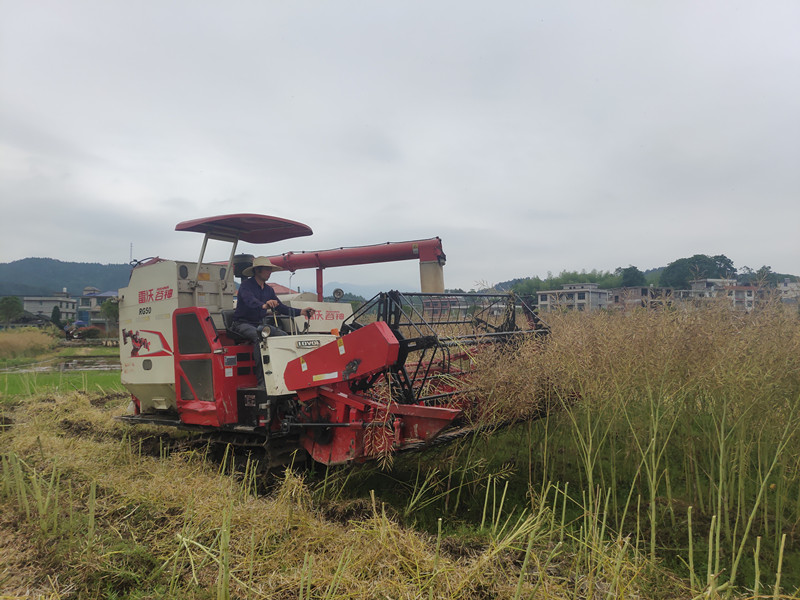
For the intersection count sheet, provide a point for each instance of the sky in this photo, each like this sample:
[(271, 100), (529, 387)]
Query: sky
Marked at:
[(531, 137)]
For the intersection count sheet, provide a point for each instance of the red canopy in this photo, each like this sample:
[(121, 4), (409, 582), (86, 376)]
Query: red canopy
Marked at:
[(255, 229)]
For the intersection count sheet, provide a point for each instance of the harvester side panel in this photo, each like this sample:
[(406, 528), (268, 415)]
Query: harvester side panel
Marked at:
[(156, 289), (145, 321), (327, 316), (279, 350), (365, 351)]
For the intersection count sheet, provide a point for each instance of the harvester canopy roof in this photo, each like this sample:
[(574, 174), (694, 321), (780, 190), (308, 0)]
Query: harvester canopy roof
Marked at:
[(251, 228)]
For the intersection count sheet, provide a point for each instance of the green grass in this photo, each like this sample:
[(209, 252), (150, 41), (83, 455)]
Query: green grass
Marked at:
[(60, 352), (15, 386)]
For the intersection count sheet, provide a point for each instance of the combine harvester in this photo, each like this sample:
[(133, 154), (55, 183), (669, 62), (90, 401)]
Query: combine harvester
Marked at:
[(343, 386)]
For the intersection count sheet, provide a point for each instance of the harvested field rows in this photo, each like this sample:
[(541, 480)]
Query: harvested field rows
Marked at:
[(101, 518)]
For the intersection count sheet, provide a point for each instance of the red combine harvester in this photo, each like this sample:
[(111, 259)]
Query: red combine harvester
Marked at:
[(344, 386)]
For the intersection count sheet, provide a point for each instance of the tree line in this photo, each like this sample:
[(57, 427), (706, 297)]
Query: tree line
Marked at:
[(677, 275)]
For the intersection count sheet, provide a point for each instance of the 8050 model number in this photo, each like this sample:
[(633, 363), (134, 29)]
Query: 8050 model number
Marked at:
[(145, 310)]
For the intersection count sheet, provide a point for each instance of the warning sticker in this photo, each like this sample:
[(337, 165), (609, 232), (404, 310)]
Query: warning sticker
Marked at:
[(340, 343), (303, 365), (325, 376)]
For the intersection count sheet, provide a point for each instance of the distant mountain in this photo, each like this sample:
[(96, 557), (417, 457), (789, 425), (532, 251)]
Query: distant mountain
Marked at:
[(45, 276)]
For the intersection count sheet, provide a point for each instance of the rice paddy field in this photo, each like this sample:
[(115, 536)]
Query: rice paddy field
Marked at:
[(668, 466)]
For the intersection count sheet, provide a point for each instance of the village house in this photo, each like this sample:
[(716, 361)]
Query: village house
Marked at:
[(42, 306), (789, 291), (89, 303), (710, 288), (634, 297), (574, 296)]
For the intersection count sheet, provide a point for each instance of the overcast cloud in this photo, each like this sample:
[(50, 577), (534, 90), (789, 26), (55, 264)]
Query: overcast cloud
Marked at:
[(529, 136)]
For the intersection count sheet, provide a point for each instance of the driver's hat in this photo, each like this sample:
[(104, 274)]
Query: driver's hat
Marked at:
[(261, 261)]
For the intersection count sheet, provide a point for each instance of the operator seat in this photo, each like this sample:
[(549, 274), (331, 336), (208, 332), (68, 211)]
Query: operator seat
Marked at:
[(227, 320)]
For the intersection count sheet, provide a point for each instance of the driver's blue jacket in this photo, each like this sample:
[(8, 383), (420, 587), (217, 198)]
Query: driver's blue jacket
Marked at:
[(252, 297)]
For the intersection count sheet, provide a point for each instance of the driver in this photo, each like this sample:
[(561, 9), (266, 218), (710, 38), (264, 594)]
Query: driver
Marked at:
[(255, 298)]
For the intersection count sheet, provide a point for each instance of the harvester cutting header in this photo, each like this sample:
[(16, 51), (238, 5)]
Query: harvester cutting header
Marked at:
[(343, 386)]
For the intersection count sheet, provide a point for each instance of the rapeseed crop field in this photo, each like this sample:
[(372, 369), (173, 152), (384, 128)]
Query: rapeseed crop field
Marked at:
[(638, 454)]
